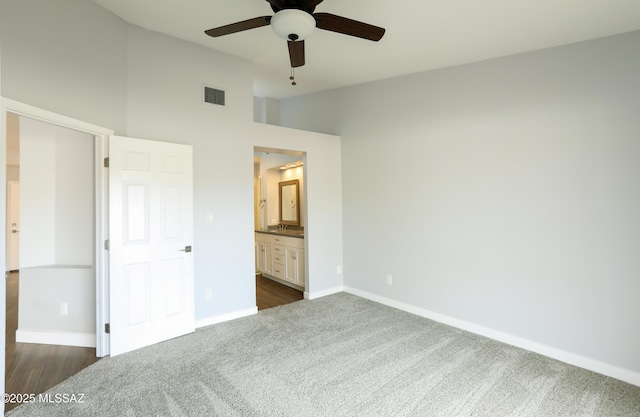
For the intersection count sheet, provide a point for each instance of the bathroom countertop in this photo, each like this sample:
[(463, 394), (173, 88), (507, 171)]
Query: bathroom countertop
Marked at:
[(289, 233)]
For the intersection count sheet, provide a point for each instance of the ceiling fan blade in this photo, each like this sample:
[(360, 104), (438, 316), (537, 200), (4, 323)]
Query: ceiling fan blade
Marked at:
[(239, 26), (339, 24), (296, 53)]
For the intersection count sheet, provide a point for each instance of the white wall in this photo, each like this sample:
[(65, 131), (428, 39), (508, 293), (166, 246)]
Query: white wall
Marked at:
[(57, 193), (13, 151), (45, 43), (223, 140), (37, 194), (273, 206), (502, 196), (323, 189), (42, 290), (223, 166), (153, 87), (265, 110), (3, 215), (74, 199)]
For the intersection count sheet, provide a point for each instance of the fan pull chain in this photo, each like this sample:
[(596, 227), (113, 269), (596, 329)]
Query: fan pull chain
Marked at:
[(292, 77)]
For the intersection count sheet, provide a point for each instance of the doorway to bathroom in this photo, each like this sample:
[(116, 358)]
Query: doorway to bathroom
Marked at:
[(279, 224)]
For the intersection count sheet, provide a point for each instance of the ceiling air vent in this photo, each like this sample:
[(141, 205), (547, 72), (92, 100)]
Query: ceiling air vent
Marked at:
[(213, 96)]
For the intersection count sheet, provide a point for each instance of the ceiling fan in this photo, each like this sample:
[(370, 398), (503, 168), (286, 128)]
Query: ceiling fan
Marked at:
[(295, 20)]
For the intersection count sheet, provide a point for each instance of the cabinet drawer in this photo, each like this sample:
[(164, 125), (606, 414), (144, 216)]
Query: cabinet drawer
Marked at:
[(277, 249), (278, 258), (276, 240), (263, 237), (294, 242), (278, 271)]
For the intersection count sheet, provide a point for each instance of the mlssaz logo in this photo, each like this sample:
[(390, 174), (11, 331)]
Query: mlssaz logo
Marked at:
[(61, 398)]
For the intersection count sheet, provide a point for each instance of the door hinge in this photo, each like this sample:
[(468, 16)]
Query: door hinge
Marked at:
[(106, 244), (107, 328), (106, 162)]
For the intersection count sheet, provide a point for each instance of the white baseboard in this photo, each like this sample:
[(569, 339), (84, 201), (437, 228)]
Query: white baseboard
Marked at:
[(323, 293), (226, 317), (571, 358), (56, 338)]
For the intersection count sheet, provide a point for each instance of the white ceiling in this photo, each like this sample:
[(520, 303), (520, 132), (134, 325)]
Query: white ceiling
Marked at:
[(421, 34)]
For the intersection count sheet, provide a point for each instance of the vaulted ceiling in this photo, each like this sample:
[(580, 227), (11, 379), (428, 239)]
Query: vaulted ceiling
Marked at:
[(420, 34)]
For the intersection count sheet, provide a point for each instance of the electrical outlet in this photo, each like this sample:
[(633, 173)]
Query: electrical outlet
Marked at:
[(209, 217), (389, 280), (64, 309), (207, 295), (339, 269)]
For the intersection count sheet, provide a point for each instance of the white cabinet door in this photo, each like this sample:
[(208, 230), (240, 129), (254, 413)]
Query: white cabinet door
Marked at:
[(295, 266), (263, 254), (300, 268), (151, 233)]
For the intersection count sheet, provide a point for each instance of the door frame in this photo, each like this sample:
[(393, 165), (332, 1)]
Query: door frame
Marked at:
[(11, 251), (101, 202)]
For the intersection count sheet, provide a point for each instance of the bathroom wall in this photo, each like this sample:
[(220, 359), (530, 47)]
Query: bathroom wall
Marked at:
[(270, 163)]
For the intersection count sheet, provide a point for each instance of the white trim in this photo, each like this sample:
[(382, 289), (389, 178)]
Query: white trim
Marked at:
[(226, 317), (8, 252), (37, 113), (571, 358), (101, 205), (56, 338), (3, 216), (101, 135), (323, 293)]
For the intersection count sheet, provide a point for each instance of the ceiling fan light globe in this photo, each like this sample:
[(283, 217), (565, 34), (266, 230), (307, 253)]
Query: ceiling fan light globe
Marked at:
[(296, 22)]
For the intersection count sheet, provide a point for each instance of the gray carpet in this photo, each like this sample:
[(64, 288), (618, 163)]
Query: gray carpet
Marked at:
[(336, 356)]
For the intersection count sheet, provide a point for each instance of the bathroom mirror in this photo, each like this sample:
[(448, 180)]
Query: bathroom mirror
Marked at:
[(289, 203)]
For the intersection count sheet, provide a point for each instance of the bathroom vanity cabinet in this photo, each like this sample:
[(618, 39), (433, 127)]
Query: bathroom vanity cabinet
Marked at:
[(294, 267), (263, 253), (281, 257)]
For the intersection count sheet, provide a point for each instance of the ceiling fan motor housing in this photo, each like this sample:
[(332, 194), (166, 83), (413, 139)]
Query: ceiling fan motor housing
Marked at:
[(293, 24)]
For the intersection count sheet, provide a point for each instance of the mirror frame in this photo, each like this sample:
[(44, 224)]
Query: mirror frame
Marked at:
[(295, 183)]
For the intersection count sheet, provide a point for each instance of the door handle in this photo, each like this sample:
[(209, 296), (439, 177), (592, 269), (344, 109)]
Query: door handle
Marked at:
[(186, 249), (15, 231)]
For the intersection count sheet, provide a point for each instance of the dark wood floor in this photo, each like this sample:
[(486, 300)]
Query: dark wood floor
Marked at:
[(34, 368), (272, 294)]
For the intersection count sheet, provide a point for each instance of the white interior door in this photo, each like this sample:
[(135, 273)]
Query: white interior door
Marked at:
[(151, 232), (13, 225)]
